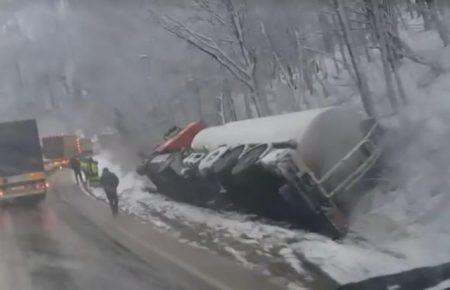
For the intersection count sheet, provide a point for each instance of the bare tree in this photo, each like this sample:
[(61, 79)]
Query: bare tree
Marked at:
[(379, 27), (284, 71), (383, 16), (51, 96), (328, 38), (431, 18), (243, 65), (228, 98), (440, 27), (193, 88), (361, 79), (221, 109)]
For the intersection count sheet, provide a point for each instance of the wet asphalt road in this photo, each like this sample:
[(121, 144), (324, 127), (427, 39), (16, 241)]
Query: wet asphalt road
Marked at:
[(51, 246), (54, 246)]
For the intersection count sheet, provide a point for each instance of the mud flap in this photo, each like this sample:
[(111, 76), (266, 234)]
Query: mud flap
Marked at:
[(31, 200), (335, 223), (328, 219)]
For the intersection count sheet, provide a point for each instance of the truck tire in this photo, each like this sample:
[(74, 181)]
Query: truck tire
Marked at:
[(249, 159), (142, 169), (205, 165), (227, 161)]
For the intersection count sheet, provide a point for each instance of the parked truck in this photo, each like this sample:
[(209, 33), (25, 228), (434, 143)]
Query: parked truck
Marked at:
[(59, 149), (85, 147), (301, 167), (22, 173)]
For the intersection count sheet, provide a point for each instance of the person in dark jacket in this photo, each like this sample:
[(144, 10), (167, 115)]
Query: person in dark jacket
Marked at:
[(75, 164), (109, 181)]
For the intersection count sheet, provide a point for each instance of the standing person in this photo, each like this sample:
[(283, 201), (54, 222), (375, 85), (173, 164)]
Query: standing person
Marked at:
[(90, 169), (75, 164), (109, 181)]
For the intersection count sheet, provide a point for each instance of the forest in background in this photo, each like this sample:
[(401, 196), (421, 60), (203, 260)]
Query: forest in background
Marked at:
[(144, 66)]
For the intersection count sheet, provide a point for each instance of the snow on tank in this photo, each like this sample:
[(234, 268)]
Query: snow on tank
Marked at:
[(322, 136)]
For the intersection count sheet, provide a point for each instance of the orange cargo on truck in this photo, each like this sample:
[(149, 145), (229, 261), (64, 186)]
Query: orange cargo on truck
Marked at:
[(58, 150)]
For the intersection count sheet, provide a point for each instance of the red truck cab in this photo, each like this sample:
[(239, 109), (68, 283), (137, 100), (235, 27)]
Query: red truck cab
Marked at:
[(181, 140)]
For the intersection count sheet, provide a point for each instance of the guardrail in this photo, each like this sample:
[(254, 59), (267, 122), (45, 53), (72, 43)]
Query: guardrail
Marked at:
[(358, 173)]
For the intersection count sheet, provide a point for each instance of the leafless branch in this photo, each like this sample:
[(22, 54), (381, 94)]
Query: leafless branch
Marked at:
[(205, 5), (208, 46)]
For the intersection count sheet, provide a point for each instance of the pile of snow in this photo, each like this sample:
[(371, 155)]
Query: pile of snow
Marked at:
[(129, 182)]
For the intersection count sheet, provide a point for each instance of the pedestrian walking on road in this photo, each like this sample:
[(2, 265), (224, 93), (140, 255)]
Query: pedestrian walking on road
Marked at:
[(109, 181), (75, 164)]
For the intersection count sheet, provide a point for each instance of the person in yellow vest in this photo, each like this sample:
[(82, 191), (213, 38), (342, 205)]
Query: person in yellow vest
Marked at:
[(90, 169)]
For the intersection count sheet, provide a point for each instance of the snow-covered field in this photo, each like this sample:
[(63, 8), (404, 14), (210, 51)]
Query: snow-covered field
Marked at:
[(396, 227)]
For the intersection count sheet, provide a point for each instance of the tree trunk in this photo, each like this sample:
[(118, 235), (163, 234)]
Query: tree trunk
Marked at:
[(400, 87), (409, 8), (255, 98), (367, 51), (341, 42), (307, 75), (198, 100), (257, 92), (53, 103), (424, 11), (19, 73), (336, 65), (229, 101), (221, 110), (441, 28), (361, 78), (248, 109), (380, 32)]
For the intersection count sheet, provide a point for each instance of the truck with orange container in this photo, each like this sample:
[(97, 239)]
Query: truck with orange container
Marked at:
[(59, 149)]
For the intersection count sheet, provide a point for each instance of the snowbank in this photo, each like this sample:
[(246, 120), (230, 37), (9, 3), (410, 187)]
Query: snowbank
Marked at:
[(129, 181)]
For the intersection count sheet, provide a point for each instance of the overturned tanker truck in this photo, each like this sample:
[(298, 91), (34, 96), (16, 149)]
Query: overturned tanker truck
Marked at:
[(299, 167)]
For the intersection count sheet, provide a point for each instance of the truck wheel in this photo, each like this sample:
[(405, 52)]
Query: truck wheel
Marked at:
[(226, 162), (332, 224), (142, 169), (206, 164), (249, 159)]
